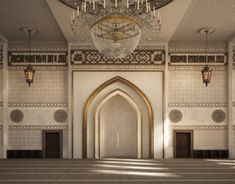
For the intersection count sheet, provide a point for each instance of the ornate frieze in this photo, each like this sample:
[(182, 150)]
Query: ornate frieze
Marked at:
[(196, 68), (198, 59), (37, 104), (200, 127), (197, 104), (118, 67), (44, 68), (37, 58), (196, 47), (37, 127), (146, 56)]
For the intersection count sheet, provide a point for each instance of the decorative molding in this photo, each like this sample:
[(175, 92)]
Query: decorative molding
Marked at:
[(48, 68), (196, 104), (196, 47), (197, 59), (200, 127), (37, 127), (37, 58), (118, 67), (196, 68), (37, 104), (143, 56)]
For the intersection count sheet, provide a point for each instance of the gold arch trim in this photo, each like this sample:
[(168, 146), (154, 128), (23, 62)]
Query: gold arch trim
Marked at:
[(138, 91)]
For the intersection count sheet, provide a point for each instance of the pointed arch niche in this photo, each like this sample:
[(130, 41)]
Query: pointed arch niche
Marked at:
[(117, 122)]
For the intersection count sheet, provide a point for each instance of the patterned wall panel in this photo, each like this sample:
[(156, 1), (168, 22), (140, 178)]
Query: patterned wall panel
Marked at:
[(193, 116), (49, 86), (37, 116), (185, 86), (25, 139)]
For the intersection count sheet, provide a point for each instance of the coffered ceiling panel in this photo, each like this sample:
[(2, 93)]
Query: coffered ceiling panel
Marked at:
[(31, 13), (219, 14)]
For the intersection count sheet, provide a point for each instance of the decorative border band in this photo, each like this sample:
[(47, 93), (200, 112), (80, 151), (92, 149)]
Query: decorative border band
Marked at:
[(200, 127), (37, 104), (197, 104), (37, 127), (119, 67), (39, 68), (196, 68)]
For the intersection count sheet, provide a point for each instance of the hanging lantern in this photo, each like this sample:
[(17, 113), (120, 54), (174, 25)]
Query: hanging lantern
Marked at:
[(29, 71), (206, 72), (206, 75), (29, 74)]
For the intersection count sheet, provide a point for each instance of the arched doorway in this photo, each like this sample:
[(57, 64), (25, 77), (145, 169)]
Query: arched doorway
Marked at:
[(130, 91)]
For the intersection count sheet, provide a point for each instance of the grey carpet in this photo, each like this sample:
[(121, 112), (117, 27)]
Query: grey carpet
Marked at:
[(113, 171)]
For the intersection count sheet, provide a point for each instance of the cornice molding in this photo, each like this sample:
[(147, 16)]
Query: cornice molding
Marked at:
[(196, 104), (88, 47), (118, 67), (37, 127), (37, 104), (43, 68), (200, 127), (196, 68), (196, 47)]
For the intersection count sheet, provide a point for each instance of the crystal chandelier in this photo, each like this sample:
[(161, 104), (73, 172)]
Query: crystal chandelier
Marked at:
[(116, 26), (206, 72)]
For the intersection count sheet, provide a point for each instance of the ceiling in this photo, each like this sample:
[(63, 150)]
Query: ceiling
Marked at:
[(180, 21)]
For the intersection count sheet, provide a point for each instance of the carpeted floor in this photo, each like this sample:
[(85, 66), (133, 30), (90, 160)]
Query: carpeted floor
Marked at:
[(113, 171)]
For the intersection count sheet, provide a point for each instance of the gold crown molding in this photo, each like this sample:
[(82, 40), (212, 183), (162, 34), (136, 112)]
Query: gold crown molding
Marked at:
[(48, 68), (197, 104), (197, 68), (37, 104), (118, 67), (200, 127), (138, 91), (37, 127)]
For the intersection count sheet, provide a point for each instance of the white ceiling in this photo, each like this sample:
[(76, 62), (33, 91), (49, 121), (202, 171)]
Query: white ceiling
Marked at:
[(219, 14), (180, 20), (30, 13)]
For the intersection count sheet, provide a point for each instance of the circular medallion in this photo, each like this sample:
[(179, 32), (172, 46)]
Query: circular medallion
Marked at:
[(218, 116), (60, 116), (16, 116), (175, 116)]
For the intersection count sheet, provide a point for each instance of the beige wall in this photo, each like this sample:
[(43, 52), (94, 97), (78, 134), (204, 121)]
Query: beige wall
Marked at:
[(197, 102)]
